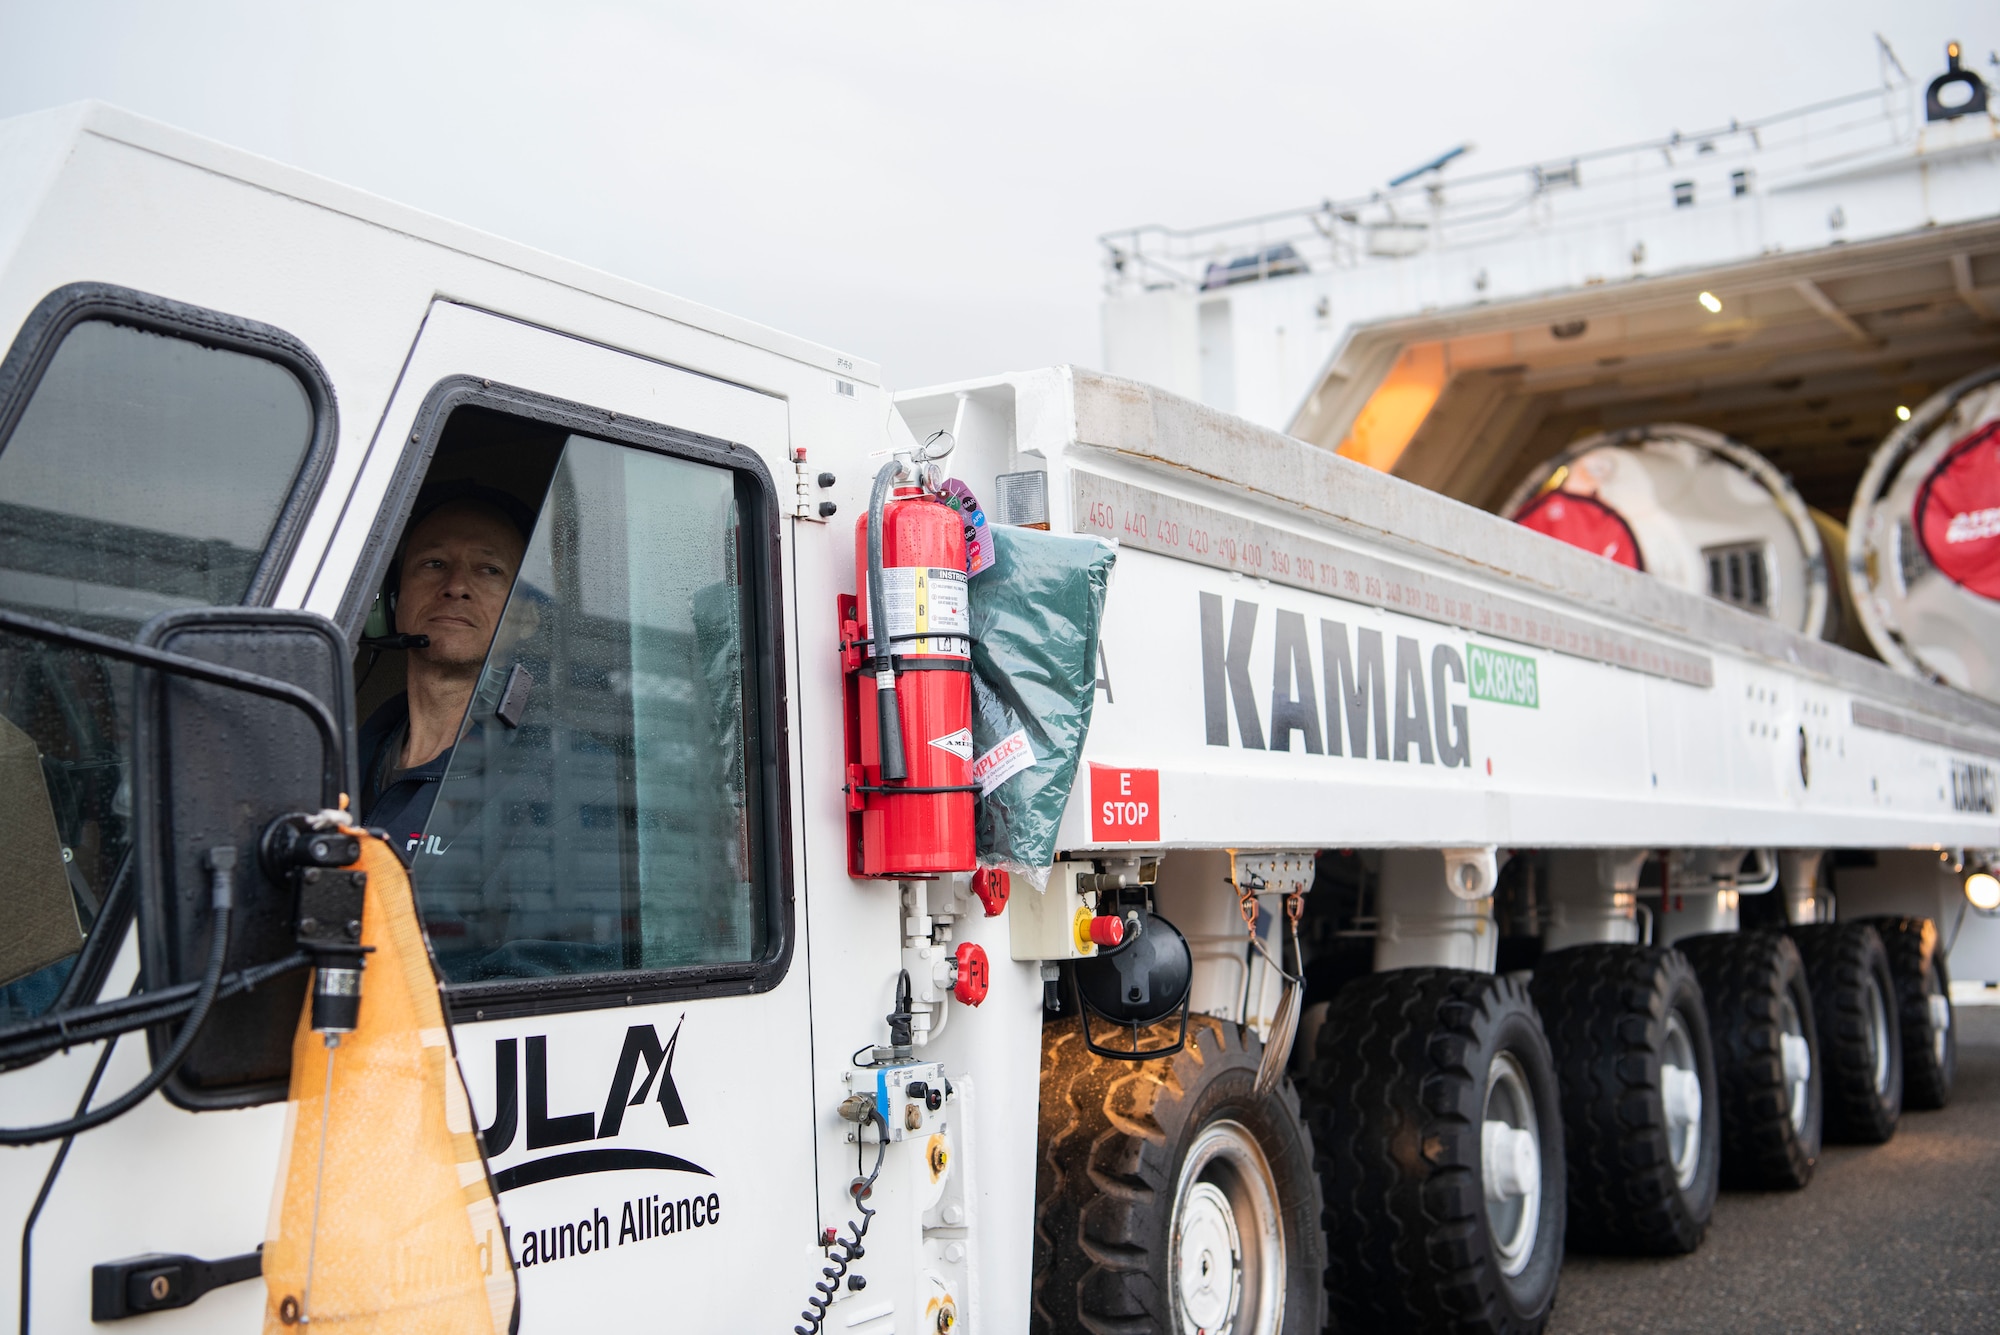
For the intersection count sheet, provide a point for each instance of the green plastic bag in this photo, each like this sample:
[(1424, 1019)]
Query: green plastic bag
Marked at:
[(1035, 617)]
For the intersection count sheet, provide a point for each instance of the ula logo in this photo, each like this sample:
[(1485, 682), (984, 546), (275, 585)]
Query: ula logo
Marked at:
[(645, 1072)]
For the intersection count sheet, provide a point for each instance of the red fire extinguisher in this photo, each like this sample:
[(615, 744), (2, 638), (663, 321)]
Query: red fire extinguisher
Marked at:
[(909, 714)]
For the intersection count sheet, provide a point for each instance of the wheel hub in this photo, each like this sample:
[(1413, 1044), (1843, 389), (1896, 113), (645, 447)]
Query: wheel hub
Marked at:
[(1876, 1012), (1210, 1259), (1680, 1099), (1798, 1059), (1940, 1006), (1796, 1054), (1511, 1164), (1228, 1246)]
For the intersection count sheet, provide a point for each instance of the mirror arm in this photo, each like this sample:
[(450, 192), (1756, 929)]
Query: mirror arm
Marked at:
[(51, 1032), (179, 665)]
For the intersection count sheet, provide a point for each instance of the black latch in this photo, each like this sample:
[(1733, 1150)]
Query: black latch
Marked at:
[(157, 1281)]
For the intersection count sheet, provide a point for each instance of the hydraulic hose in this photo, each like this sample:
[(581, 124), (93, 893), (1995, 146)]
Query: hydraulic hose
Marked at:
[(222, 886), (889, 720)]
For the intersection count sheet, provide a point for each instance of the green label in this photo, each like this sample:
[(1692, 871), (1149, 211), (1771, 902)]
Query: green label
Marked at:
[(1504, 678)]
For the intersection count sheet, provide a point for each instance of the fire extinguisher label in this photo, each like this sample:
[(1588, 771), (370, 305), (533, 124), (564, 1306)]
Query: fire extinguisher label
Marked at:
[(928, 600), (958, 743)]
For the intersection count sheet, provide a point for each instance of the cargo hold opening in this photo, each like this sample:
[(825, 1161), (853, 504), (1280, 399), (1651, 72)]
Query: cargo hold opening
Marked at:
[(1805, 360)]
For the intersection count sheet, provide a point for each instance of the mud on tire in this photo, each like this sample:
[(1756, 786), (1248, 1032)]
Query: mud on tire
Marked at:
[(1115, 1140), (1755, 986), (1629, 1031), (1408, 1065)]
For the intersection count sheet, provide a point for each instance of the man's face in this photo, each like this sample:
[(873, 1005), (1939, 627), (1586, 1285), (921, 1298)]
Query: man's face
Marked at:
[(457, 568)]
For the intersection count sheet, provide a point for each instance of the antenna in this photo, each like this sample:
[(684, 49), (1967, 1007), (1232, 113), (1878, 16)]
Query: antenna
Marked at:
[(1435, 164), (1886, 57)]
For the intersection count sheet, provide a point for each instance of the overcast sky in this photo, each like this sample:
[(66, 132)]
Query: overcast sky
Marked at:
[(922, 184)]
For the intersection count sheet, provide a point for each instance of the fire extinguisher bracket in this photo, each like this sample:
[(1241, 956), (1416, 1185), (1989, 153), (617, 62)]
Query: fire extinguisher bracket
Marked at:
[(899, 665)]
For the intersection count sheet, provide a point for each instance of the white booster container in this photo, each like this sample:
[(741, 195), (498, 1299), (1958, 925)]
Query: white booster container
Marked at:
[(1924, 550), (1690, 506)]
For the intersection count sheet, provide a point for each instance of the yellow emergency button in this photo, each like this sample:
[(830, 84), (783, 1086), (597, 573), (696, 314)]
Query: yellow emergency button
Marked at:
[(1080, 931)]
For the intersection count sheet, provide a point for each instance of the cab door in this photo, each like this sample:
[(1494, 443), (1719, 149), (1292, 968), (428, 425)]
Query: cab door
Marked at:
[(607, 876)]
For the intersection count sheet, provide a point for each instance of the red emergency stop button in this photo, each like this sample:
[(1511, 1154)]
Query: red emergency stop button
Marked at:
[(990, 885), (1107, 930), (971, 985)]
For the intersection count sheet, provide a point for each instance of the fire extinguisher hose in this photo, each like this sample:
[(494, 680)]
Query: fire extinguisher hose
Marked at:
[(895, 766)]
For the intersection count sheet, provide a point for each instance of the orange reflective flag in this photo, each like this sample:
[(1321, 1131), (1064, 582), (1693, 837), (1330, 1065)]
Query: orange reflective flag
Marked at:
[(384, 1219)]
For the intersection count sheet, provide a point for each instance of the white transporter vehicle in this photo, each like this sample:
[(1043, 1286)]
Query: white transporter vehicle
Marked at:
[(1388, 818)]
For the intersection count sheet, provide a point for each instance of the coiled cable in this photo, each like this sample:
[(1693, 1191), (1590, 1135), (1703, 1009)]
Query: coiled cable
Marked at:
[(845, 1251)]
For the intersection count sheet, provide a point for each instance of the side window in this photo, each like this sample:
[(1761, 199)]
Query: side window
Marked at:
[(146, 473), (145, 469), (605, 808)]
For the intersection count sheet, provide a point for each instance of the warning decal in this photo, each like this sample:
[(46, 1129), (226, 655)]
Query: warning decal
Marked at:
[(925, 600), (958, 743), (1124, 805)]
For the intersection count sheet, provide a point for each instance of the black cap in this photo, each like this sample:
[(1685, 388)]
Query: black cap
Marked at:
[(440, 494)]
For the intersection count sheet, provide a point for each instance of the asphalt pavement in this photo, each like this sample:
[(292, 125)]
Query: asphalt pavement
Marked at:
[(1897, 1237)]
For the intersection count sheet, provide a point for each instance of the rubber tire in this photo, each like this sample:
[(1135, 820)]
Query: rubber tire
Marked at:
[(1743, 975), (1394, 1097), (1113, 1137), (1605, 1010), (1919, 969), (1838, 956)]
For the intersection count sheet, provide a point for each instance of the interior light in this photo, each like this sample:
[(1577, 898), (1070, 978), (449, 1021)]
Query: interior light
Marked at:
[(1902, 413), (1982, 890), (1711, 303)]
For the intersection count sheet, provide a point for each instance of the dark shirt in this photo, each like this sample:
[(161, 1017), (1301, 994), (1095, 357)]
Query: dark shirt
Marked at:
[(397, 800)]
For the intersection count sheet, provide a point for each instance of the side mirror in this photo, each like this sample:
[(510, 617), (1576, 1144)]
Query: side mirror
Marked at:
[(213, 767)]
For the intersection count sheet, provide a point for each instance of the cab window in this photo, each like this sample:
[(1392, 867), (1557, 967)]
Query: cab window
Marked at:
[(606, 809), (144, 467)]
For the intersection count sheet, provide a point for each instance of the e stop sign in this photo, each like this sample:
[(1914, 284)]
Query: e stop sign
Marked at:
[(1124, 805)]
